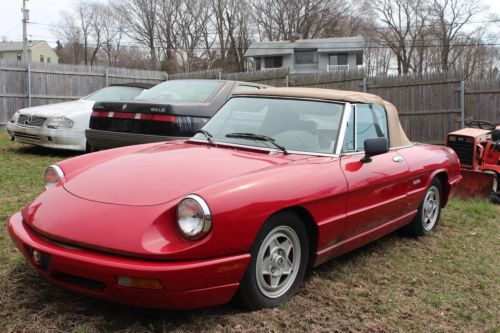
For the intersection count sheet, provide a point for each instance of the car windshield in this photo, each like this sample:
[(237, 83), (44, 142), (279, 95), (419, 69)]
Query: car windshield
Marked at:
[(182, 91), (295, 125), (115, 93)]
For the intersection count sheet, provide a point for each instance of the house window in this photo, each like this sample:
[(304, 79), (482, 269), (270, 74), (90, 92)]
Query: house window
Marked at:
[(1, 56), (338, 59), (359, 58), (19, 57), (257, 64), (306, 57), (273, 62), (48, 60), (41, 58)]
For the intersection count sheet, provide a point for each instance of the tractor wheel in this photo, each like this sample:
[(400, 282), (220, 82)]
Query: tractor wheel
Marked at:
[(495, 191)]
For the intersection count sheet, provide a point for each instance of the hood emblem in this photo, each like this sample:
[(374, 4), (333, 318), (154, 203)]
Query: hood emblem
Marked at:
[(124, 107)]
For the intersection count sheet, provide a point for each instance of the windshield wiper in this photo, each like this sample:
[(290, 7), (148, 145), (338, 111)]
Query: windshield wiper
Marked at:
[(207, 135), (258, 137)]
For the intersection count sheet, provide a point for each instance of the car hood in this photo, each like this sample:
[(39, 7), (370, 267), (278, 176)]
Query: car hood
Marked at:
[(161, 173), (60, 109)]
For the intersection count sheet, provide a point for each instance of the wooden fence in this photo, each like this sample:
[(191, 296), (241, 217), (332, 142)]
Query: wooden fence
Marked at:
[(430, 106), (23, 86)]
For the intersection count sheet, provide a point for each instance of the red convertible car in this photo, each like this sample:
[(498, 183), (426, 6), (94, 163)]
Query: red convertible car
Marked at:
[(278, 181)]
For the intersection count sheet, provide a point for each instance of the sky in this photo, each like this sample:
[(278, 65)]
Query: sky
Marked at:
[(44, 14)]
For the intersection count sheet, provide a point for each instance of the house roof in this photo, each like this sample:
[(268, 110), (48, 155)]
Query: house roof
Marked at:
[(18, 46), (270, 48)]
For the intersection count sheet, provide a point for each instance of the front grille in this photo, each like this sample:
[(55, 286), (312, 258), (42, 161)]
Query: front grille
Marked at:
[(79, 281), (464, 150), (28, 120), (27, 136)]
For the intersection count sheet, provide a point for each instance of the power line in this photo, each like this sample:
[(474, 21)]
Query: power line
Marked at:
[(333, 30)]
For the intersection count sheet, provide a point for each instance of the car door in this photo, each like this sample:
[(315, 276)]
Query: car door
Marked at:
[(377, 189)]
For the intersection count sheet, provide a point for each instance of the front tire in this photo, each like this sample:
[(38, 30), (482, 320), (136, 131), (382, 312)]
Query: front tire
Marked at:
[(429, 210), (278, 263)]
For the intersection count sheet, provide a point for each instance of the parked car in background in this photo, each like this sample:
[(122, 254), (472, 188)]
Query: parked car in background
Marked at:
[(278, 181), (63, 125), (171, 110)]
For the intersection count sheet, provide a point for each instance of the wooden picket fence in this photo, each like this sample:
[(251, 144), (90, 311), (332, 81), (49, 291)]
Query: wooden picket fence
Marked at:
[(429, 105)]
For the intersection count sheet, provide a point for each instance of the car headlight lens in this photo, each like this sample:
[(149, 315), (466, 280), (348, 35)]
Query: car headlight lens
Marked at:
[(53, 174), (15, 117), (60, 122), (194, 219)]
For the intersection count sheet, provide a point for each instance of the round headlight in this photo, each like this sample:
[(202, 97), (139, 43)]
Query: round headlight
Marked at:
[(193, 217), (53, 174)]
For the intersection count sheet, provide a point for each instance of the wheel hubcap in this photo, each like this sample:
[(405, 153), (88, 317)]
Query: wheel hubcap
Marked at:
[(431, 208), (278, 261)]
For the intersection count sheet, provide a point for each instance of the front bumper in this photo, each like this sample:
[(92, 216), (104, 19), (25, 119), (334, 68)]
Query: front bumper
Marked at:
[(187, 284), (71, 138), (99, 139)]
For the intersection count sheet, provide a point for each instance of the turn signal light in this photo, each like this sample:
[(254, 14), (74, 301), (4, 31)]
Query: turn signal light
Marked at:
[(131, 282)]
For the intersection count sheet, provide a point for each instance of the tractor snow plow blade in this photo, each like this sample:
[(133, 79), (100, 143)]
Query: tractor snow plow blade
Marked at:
[(474, 184)]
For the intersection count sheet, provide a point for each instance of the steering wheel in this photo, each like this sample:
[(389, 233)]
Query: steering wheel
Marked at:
[(482, 124)]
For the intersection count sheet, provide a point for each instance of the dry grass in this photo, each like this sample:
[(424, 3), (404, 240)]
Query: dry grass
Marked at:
[(448, 282)]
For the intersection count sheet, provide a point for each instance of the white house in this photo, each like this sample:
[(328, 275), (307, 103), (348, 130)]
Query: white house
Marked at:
[(308, 55)]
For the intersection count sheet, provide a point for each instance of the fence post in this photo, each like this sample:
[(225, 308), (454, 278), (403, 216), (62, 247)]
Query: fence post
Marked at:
[(287, 81), (166, 76), (365, 85), (106, 75), (29, 84), (220, 75), (462, 104)]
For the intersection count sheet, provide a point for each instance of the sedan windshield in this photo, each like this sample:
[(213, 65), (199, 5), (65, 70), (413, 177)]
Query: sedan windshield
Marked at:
[(289, 124), (115, 93), (182, 91)]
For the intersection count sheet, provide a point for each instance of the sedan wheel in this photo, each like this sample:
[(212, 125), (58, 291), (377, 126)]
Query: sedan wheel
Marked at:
[(429, 210), (278, 263), (431, 206)]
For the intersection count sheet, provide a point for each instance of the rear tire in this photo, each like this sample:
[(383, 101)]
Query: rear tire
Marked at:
[(429, 211), (278, 263)]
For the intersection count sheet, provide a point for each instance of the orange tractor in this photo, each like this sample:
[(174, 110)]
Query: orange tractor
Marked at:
[(478, 148)]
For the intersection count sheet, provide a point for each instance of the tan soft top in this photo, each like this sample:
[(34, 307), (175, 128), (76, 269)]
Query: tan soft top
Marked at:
[(397, 138)]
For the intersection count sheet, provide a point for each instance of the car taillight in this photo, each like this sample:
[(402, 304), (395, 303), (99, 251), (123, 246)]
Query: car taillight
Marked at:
[(100, 114)]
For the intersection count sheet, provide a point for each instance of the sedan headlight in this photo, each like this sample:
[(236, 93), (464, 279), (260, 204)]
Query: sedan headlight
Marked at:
[(15, 117), (194, 219), (60, 122), (53, 174)]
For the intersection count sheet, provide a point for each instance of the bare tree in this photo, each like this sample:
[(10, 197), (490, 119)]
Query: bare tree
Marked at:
[(403, 24), (280, 19), (141, 17), (70, 36), (192, 17), (450, 17), (112, 33)]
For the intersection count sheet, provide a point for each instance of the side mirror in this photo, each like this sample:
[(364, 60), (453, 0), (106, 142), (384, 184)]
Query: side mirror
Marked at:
[(374, 147)]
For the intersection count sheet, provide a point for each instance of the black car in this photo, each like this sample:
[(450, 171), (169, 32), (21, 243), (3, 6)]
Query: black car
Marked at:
[(171, 110)]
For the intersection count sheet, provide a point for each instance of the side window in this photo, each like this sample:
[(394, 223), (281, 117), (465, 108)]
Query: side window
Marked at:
[(368, 121), (371, 122)]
